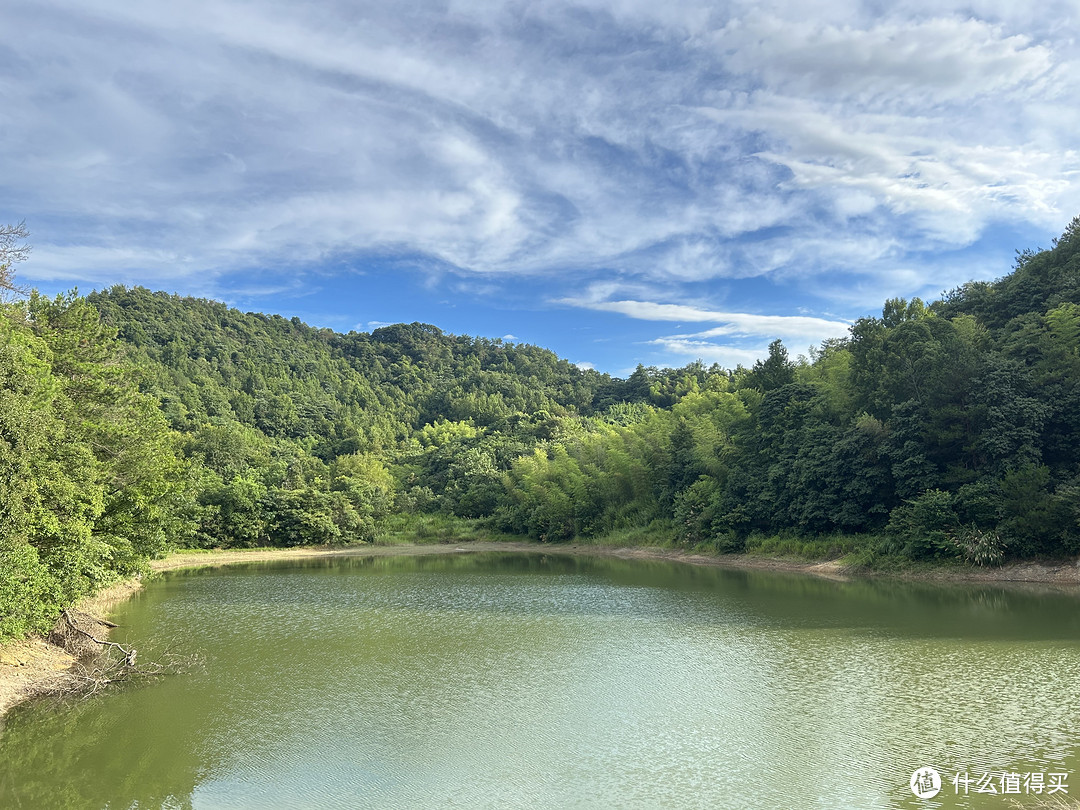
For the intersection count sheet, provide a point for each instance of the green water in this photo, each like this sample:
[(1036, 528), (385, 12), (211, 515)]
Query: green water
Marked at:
[(531, 681)]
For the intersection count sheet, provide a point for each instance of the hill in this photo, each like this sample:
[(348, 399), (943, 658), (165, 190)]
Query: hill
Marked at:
[(132, 421)]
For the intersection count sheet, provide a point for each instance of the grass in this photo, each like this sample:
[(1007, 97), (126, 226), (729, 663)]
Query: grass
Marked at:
[(436, 528), (657, 534), (402, 529), (825, 547), (855, 552)]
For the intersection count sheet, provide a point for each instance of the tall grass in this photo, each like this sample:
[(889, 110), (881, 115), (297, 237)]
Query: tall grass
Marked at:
[(857, 547), (403, 528), (655, 534)]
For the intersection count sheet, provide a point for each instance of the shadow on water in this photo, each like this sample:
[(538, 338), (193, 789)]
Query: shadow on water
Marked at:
[(772, 598), (74, 754)]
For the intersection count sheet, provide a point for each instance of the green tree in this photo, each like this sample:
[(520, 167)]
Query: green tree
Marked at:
[(774, 372)]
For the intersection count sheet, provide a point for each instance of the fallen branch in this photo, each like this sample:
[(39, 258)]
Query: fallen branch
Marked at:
[(101, 662), (129, 655)]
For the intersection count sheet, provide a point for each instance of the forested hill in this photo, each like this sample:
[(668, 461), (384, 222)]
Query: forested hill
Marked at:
[(342, 393), (131, 421)]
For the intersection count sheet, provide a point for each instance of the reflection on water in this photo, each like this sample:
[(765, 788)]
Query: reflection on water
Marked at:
[(544, 681)]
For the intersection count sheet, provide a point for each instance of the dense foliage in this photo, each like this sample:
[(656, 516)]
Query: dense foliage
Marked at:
[(132, 420), (93, 480)]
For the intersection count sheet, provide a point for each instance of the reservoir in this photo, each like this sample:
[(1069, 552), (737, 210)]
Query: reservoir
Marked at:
[(529, 680)]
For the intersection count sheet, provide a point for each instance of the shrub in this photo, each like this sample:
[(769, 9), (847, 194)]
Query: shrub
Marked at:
[(921, 527)]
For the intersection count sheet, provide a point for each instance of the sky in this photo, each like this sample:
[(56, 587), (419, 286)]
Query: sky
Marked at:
[(621, 181)]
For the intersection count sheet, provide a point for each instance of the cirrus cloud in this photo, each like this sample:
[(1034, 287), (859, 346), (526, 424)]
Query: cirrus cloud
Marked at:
[(829, 146)]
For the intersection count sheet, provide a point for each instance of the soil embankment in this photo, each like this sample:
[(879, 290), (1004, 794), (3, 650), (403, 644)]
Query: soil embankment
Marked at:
[(36, 666)]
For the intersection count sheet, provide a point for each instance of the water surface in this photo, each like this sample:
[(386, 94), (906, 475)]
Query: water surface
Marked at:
[(547, 681)]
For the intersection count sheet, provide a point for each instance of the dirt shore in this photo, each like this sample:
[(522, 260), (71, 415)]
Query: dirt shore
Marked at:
[(1057, 573), (33, 667)]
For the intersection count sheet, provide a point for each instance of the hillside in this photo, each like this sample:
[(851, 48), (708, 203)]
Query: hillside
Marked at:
[(133, 421)]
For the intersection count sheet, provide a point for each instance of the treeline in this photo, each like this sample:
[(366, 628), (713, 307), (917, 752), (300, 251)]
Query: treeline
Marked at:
[(134, 420), (947, 430), (93, 481), (303, 436)]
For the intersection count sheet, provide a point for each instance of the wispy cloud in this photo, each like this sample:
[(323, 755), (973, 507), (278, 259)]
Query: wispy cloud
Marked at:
[(726, 355), (668, 145), (738, 337), (733, 323)]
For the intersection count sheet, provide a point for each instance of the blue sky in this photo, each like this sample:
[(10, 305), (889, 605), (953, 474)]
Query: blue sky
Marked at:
[(623, 181)]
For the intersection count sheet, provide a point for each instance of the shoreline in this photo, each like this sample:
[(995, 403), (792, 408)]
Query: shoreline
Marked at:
[(33, 667), (1061, 573)]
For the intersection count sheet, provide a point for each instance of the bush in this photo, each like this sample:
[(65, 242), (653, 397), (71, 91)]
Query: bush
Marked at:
[(922, 527), (979, 547), (29, 598)]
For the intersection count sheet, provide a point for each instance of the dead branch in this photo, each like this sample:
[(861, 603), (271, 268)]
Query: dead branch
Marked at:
[(129, 655), (102, 663)]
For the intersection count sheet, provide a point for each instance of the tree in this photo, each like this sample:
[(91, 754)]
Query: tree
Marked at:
[(774, 372), (12, 249)]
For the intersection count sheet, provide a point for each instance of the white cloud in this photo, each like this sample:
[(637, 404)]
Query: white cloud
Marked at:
[(901, 63), (726, 355), (738, 337), (733, 323), (662, 145)]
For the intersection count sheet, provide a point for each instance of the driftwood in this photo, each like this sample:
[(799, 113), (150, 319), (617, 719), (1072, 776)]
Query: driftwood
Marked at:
[(100, 662), (129, 655)]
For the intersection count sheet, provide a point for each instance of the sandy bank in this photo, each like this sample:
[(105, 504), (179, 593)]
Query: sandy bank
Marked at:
[(34, 666), (218, 558)]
